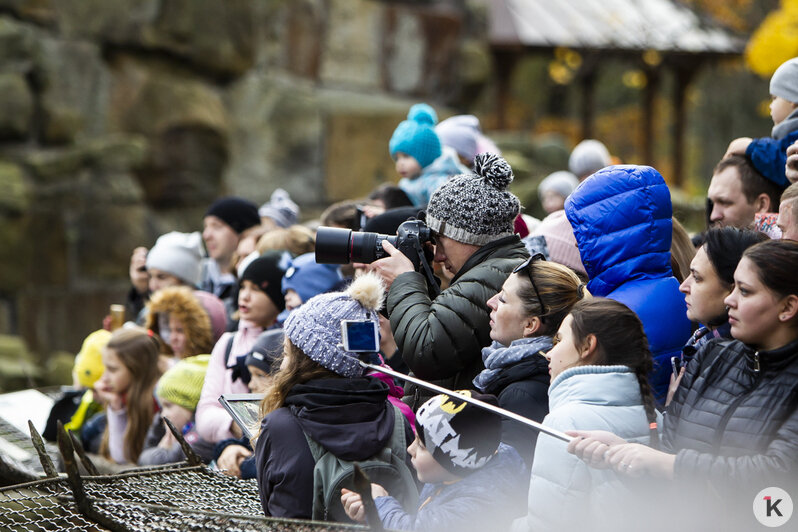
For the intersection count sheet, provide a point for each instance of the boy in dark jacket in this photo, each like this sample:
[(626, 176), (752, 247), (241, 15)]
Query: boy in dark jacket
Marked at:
[(472, 480)]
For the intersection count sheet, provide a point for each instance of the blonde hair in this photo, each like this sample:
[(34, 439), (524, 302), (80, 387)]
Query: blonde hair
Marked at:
[(682, 251), (297, 240), (559, 288), (138, 351)]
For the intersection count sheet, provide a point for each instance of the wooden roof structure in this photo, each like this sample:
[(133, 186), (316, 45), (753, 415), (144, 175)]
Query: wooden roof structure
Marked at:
[(682, 39)]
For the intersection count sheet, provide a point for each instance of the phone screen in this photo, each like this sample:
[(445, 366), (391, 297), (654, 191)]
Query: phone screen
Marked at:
[(360, 336)]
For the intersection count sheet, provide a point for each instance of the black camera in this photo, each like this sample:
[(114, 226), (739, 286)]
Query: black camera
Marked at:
[(342, 246)]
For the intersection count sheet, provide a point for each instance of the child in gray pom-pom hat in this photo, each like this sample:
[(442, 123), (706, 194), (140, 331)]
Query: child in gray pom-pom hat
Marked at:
[(769, 154), (321, 394), (471, 217)]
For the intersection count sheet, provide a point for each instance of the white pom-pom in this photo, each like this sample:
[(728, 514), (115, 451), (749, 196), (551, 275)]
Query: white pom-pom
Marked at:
[(368, 290), (494, 170)]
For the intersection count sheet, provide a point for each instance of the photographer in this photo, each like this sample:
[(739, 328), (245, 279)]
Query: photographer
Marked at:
[(471, 217)]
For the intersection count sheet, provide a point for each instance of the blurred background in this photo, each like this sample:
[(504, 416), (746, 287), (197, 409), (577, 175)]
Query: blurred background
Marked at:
[(125, 119)]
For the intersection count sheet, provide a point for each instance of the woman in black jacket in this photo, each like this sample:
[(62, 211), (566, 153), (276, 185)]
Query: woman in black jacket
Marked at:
[(733, 423), (524, 315)]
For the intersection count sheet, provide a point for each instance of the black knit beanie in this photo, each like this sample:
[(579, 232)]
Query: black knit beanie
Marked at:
[(266, 273), (238, 213)]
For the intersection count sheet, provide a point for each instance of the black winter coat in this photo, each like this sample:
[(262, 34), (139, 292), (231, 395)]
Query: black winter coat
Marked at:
[(441, 339), (734, 417), (351, 418), (523, 388)]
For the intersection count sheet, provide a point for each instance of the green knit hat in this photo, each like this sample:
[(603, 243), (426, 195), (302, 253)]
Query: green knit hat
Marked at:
[(182, 383)]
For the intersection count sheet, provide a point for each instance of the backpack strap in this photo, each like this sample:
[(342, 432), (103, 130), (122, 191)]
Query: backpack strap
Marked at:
[(398, 443), (229, 347)]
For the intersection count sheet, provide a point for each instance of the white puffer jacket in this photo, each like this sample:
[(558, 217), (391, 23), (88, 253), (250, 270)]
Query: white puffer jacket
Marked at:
[(564, 493)]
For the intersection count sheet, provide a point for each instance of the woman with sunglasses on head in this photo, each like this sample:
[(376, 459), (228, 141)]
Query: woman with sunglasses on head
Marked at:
[(599, 369), (524, 316), (732, 427)]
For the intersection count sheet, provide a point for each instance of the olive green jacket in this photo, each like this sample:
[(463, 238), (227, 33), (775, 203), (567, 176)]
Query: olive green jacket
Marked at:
[(441, 340)]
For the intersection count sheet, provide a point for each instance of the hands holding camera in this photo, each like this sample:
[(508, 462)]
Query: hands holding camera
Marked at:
[(391, 267)]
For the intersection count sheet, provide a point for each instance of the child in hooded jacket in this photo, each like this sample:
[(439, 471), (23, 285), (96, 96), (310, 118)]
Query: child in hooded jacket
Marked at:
[(321, 394)]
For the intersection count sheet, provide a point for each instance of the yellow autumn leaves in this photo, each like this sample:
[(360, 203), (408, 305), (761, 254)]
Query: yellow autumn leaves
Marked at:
[(775, 40)]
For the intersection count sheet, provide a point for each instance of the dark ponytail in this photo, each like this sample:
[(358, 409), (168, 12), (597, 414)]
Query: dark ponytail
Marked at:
[(621, 340)]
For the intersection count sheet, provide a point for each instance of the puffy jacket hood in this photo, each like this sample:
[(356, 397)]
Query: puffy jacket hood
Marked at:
[(621, 217), (181, 302), (351, 418)]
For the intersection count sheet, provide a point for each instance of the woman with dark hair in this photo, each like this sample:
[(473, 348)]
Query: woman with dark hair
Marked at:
[(524, 316), (599, 369), (710, 281), (733, 422)]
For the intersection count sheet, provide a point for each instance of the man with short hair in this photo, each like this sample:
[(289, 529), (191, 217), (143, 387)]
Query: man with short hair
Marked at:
[(788, 213), (223, 224), (471, 217), (737, 192)]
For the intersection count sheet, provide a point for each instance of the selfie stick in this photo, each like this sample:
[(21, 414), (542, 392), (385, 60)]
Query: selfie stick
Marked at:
[(476, 402)]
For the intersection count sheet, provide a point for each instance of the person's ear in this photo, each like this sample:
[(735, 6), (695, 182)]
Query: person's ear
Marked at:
[(589, 347), (531, 326), (789, 308), (762, 203)]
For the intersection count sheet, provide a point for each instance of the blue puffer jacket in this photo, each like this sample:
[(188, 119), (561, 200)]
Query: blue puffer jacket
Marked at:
[(621, 217)]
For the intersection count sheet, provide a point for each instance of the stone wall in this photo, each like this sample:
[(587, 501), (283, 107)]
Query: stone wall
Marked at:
[(122, 119)]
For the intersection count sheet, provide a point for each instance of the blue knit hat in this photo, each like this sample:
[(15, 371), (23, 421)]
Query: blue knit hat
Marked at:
[(416, 136), (315, 327)]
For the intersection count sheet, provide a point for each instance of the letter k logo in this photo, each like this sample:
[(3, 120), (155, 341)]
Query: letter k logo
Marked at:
[(772, 506)]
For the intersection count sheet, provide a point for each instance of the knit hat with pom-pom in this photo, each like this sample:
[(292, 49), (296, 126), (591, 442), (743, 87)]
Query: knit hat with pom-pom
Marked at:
[(315, 327), (416, 136), (476, 209)]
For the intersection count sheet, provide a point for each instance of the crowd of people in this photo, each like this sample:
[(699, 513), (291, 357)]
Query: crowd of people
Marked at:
[(667, 363)]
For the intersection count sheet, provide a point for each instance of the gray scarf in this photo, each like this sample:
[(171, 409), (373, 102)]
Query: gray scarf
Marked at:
[(786, 126), (497, 356)]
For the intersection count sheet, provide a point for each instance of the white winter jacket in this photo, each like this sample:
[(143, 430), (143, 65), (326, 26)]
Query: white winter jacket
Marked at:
[(564, 493)]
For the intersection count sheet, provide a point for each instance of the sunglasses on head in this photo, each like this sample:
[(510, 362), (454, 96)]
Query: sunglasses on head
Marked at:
[(526, 268)]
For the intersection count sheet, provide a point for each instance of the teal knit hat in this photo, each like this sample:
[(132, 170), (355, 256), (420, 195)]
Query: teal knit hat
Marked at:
[(416, 136)]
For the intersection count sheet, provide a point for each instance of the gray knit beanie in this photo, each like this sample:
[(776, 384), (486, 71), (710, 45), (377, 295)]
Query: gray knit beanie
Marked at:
[(178, 254), (562, 182), (588, 157), (315, 327), (280, 208), (476, 209), (784, 82)]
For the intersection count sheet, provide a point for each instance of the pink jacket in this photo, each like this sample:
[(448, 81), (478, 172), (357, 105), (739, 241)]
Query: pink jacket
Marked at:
[(212, 420)]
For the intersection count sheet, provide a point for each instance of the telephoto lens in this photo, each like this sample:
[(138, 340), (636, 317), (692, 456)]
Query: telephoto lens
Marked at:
[(342, 246)]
